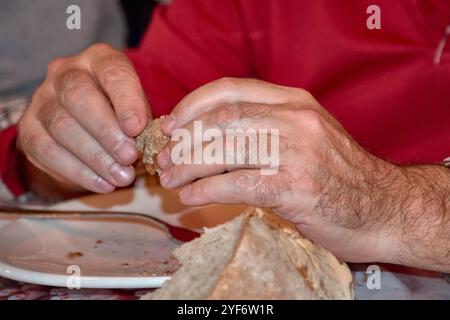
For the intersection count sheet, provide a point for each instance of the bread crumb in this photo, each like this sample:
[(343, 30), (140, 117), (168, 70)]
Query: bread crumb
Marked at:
[(259, 212), (150, 143), (74, 255)]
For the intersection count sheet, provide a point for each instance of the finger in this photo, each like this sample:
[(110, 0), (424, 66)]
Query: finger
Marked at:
[(80, 96), (224, 154), (242, 116), (49, 156), (225, 91), (247, 121), (65, 130), (119, 80), (175, 176), (237, 187), (241, 122), (233, 137)]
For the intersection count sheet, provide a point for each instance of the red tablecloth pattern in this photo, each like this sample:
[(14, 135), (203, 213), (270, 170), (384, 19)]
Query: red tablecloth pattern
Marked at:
[(12, 290)]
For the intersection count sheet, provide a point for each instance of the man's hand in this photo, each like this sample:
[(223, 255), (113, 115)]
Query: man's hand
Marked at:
[(80, 125), (356, 205)]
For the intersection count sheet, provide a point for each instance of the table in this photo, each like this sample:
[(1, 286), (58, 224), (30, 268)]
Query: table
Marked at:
[(149, 198), (396, 284)]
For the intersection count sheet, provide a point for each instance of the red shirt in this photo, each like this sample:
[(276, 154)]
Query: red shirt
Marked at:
[(382, 85)]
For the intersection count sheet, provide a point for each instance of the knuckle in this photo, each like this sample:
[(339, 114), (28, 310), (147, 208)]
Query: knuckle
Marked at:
[(24, 138), (99, 47), (203, 188), (54, 65), (59, 121), (227, 115), (304, 95), (74, 85), (244, 182), (28, 140), (40, 97), (310, 119), (254, 112), (110, 137), (22, 124), (115, 71), (114, 74), (30, 143), (47, 149), (227, 84), (35, 146)]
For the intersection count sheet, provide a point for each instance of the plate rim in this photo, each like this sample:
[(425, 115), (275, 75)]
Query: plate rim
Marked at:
[(86, 282), (30, 276)]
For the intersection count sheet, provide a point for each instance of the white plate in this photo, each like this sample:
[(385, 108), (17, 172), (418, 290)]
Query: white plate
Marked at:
[(109, 252), (39, 251)]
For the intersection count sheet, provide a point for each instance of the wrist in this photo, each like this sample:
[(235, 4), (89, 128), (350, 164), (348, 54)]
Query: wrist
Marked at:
[(418, 226), (385, 201)]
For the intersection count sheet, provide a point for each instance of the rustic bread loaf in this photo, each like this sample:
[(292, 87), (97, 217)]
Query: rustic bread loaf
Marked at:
[(256, 256), (150, 143)]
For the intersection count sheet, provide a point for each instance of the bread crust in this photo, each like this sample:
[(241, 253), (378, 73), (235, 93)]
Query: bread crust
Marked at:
[(268, 259)]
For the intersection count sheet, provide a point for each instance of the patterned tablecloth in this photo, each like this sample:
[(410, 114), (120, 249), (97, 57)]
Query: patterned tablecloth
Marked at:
[(397, 283), (12, 290)]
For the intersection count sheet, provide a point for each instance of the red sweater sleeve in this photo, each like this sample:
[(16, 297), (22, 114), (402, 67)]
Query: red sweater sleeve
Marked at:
[(190, 43), (10, 171)]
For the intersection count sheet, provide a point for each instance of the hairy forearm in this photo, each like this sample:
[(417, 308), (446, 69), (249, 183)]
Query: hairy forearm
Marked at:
[(383, 212), (400, 213), (423, 218)]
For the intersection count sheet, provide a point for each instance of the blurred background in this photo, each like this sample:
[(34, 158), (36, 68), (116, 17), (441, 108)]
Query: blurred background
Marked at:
[(137, 14), (33, 33)]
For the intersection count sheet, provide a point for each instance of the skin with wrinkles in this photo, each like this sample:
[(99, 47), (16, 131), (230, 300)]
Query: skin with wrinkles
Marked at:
[(360, 207), (79, 130)]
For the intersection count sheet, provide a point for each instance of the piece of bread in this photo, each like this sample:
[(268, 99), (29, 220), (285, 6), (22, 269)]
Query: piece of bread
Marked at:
[(150, 143), (256, 256)]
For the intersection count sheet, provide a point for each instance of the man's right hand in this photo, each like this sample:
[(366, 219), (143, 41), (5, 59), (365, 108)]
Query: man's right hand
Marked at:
[(80, 125)]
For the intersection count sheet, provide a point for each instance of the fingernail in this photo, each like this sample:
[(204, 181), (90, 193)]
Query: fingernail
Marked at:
[(165, 177), (164, 158), (126, 153), (122, 175), (104, 185), (169, 124), (184, 194), (131, 122)]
